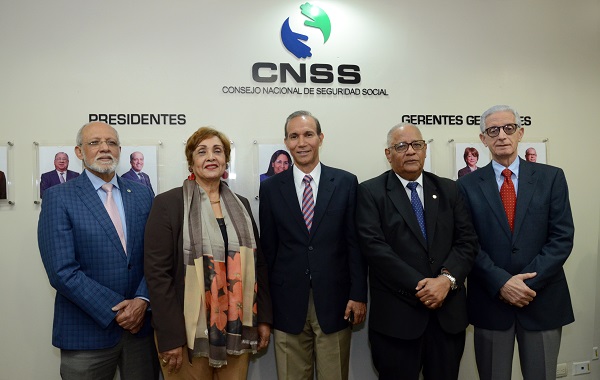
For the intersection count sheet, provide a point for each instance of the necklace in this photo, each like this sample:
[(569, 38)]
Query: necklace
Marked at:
[(214, 202)]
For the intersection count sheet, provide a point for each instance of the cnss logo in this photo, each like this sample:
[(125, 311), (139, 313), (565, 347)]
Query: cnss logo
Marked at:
[(298, 40)]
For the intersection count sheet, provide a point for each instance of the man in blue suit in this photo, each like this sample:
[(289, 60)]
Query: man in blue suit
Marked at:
[(136, 159), (517, 287), (101, 321), (59, 175), (316, 272)]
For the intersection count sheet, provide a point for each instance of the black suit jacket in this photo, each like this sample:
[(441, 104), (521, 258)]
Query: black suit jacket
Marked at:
[(328, 259), (399, 256), (541, 242)]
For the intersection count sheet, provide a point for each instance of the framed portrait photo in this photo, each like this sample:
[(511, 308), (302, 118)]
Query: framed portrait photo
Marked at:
[(468, 157)]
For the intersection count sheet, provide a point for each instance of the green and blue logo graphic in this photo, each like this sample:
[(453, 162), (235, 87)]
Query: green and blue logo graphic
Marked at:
[(317, 18)]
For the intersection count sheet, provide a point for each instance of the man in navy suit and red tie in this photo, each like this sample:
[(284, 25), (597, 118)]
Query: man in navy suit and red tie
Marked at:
[(316, 272), (517, 288), (136, 159), (59, 175), (91, 240), (416, 234)]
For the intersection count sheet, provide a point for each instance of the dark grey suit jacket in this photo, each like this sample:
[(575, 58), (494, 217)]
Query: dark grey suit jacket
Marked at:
[(541, 242)]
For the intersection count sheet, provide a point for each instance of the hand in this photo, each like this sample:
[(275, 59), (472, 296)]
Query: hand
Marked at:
[(515, 292), (359, 309), (433, 291), (172, 359), (264, 335), (130, 314)]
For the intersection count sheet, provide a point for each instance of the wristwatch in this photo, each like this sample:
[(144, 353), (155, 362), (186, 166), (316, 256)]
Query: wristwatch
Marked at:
[(451, 278)]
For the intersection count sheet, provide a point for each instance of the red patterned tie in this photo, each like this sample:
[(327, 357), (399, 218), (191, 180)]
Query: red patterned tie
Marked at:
[(509, 197), (308, 202)]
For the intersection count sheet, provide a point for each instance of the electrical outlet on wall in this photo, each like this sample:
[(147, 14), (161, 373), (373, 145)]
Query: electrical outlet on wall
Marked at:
[(594, 353), (561, 370), (579, 368)]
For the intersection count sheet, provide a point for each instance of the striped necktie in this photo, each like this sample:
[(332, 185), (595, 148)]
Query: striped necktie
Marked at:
[(308, 202)]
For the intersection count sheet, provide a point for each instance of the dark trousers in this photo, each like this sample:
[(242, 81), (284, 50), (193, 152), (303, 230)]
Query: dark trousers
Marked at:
[(436, 352), (135, 358)]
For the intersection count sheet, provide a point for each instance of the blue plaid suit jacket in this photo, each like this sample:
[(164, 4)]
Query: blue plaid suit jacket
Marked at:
[(86, 263)]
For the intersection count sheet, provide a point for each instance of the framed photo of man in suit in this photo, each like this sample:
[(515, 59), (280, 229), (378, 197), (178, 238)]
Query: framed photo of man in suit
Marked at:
[(468, 157), (140, 163), (56, 164), (533, 152), (4, 174)]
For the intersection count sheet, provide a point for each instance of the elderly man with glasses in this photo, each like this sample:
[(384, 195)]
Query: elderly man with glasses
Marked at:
[(517, 287), (415, 231)]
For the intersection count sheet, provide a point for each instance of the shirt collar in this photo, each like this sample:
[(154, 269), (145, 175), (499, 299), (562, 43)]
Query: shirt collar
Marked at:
[(97, 182), (498, 168), (299, 175), (405, 181)]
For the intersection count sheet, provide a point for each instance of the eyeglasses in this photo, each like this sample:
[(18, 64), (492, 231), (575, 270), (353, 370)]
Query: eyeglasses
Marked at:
[(509, 129), (403, 146), (98, 143)]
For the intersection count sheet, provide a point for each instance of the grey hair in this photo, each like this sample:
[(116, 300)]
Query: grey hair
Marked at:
[(79, 139), (498, 108), (390, 135), (301, 113)]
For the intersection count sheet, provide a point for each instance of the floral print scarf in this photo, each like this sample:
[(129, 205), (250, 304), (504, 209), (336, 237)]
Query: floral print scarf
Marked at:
[(220, 287)]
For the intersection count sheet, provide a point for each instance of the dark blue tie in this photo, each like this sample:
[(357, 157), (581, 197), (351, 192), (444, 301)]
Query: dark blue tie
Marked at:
[(417, 206)]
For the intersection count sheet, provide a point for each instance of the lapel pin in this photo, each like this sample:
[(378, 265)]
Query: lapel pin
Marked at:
[(434, 196), (129, 190)]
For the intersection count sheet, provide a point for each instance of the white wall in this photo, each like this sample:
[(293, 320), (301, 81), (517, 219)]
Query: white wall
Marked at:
[(64, 59)]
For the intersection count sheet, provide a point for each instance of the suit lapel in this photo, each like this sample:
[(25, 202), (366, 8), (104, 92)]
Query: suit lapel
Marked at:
[(326, 189), (287, 189), (527, 180), (90, 198), (489, 188), (431, 200), (399, 198)]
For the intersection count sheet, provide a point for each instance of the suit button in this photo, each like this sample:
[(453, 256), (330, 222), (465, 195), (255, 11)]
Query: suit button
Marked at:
[(515, 250), (431, 260), (129, 266), (310, 247)]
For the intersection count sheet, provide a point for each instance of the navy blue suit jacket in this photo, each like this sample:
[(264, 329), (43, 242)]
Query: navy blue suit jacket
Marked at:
[(51, 178), (86, 263), (132, 175), (541, 242), (328, 257), (399, 257)]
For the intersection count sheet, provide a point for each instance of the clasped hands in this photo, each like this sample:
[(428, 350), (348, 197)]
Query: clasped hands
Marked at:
[(130, 314), (433, 291), (515, 292), (173, 359)]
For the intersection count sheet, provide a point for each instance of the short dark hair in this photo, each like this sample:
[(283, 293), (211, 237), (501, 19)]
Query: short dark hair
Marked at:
[(301, 113)]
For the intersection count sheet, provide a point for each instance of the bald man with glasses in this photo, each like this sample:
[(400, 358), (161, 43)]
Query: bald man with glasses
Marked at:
[(416, 234)]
